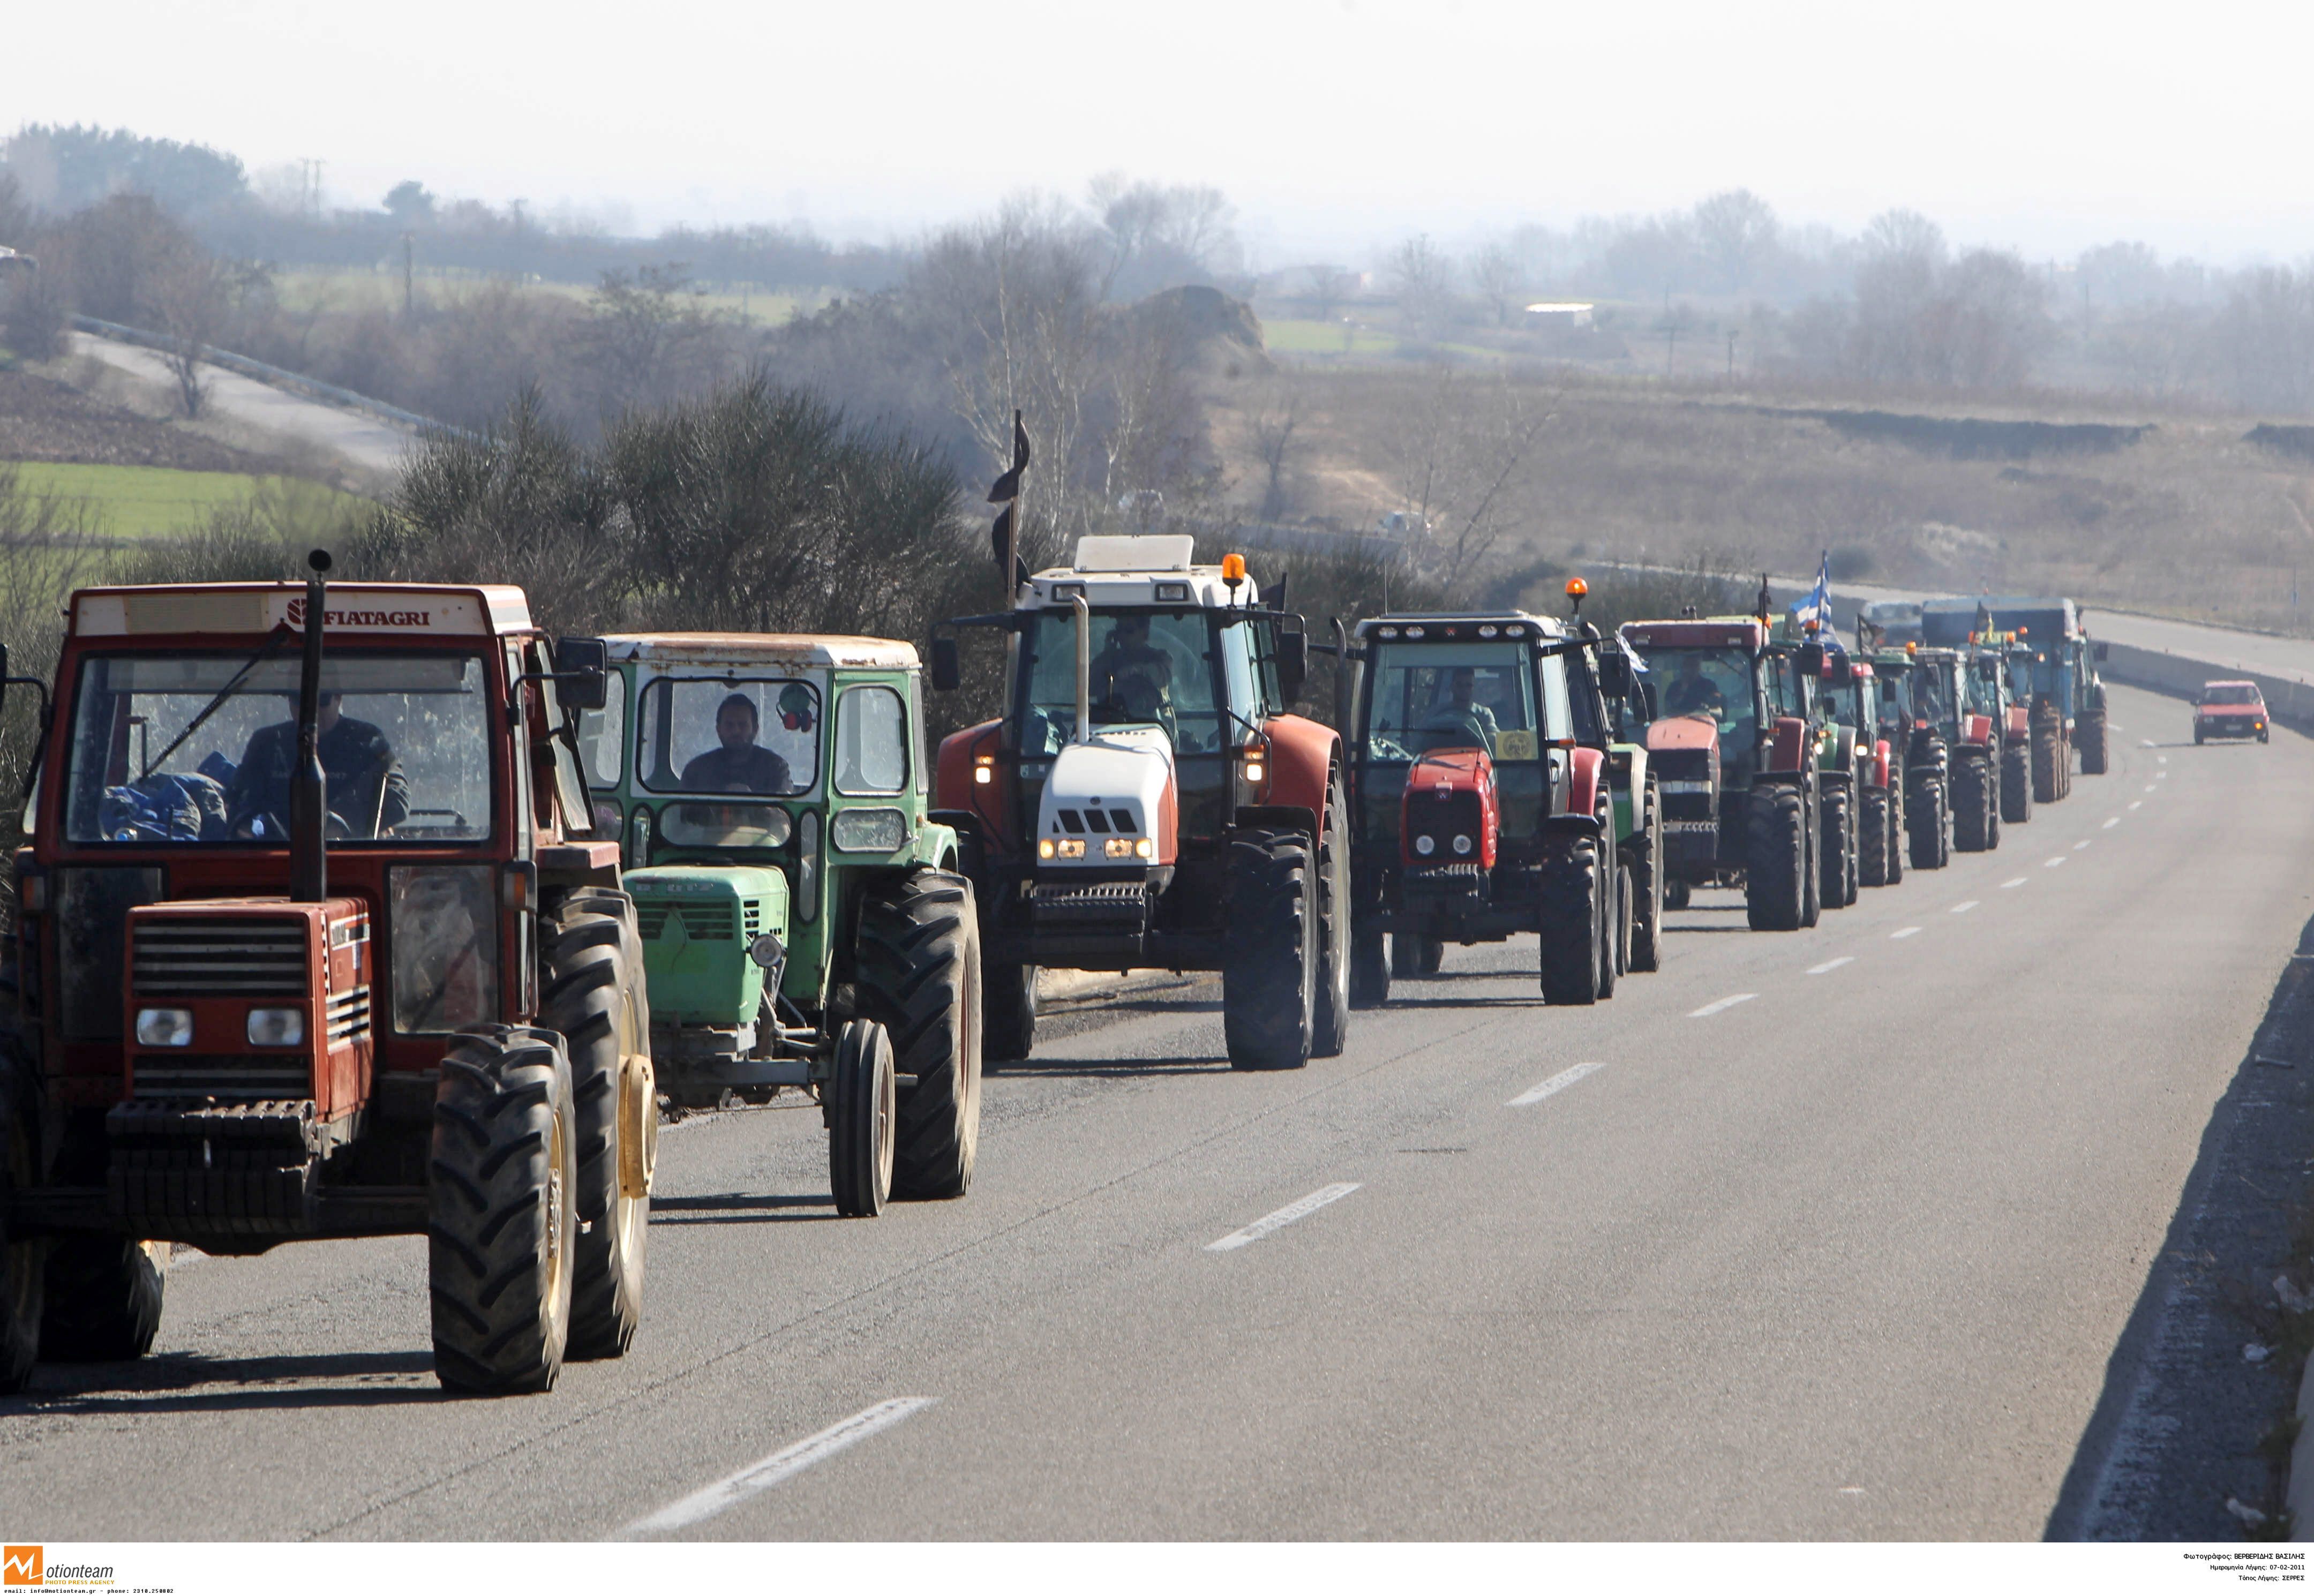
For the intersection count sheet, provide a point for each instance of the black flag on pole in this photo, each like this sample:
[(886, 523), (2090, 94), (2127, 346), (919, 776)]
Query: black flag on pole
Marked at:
[(1003, 536)]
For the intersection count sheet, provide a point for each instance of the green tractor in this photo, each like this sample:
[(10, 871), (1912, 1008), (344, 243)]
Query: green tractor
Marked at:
[(802, 921)]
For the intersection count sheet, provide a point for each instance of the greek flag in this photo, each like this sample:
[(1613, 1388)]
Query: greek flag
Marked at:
[(1814, 613)]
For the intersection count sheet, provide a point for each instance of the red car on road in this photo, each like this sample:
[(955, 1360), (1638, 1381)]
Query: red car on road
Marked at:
[(2229, 710)]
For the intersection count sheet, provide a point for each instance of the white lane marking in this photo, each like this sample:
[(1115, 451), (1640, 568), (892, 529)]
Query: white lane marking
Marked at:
[(1300, 1209), (783, 1465), (1551, 1088), (2137, 803), (2051, 864), (2161, 776), (2149, 789), (2145, 742), (2163, 758), (1831, 963), (2081, 844), (2112, 820), (2117, 726), (1723, 1005), (1909, 930), (1965, 905), (2017, 881)]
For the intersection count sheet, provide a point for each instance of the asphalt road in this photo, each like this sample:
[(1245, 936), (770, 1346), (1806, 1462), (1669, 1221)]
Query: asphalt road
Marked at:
[(1851, 1256)]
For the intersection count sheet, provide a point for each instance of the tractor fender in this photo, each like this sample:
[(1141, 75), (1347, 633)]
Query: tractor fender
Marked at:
[(1279, 817), (1843, 748), (2020, 723), (953, 786), (1976, 730), (1303, 758), (1880, 756), (1586, 774), (1788, 749)]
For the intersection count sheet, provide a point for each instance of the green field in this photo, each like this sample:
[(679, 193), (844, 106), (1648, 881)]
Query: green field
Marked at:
[(356, 289), (1325, 338), (129, 502)]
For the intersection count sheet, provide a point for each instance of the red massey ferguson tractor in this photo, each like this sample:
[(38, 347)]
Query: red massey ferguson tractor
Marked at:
[(315, 941), (1146, 800)]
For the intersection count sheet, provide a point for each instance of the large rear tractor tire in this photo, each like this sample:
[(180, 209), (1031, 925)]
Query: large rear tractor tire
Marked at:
[(1433, 955), (863, 1113), (1895, 843), (1405, 956), (1369, 969), (1836, 855), (1008, 1012), (1876, 834), (1332, 1012), (1811, 851), (505, 1222), (2090, 736), (23, 1259), (1269, 986), (1576, 902), (1648, 890), (2053, 764), (1775, 861), (1930, 817), (1974, 813), (594, 999), (1618, 932), (2016, 784), (918, 970)]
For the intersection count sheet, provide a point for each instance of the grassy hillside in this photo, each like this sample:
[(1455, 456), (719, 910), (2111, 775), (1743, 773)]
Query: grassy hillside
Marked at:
[(128, 503)]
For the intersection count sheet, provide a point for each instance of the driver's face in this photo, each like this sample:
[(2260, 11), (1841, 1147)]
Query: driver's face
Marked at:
[(736, 727), (1461, 687), (1133, 630)]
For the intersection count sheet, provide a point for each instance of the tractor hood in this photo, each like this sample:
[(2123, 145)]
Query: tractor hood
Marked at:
[(1110, 802)]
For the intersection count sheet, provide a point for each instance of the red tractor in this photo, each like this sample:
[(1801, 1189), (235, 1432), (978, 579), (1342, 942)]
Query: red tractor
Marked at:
[(1147, 801), (319, 943)]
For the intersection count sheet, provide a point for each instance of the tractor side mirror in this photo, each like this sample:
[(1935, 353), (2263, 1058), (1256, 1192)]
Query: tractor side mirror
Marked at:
[(1811, 660), (947, 671), (1614, 673), (1293, 662), (581, 672), (2096, 652)]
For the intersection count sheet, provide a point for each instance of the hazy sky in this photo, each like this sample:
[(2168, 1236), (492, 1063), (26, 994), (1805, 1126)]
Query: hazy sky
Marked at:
[(1334, 125)]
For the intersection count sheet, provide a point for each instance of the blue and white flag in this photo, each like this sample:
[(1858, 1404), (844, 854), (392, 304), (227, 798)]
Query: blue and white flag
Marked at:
[(1814, 613)]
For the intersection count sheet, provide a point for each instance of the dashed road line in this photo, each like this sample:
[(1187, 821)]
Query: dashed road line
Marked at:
[(2051, 864), (1723, 1005), (1301, 1208), (1831, 963), (1965, 905), (2013, 881), (2149, 788), (2137, 803), (2147, 743), (1553, 1086), (2163, 758), (783, 1465), (2112, 820), (2081, 844), (1909, 930)]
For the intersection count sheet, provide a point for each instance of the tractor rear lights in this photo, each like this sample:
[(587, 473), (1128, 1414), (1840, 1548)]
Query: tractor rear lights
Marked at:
[(164, 1028), (984, 770), (868, 831), (276, 1027)]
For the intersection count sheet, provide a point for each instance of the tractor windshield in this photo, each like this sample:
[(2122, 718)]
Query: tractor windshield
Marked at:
[(182, 748), (1148, 667), (729, 735), (1984, 689), (1932, 698), (1427, 696), (1713, 681)]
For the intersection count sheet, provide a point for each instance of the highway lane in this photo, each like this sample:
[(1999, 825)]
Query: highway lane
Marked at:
[(1845, 1257)]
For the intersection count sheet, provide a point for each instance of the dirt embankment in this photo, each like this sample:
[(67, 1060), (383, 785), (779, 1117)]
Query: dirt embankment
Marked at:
[(44, 420)]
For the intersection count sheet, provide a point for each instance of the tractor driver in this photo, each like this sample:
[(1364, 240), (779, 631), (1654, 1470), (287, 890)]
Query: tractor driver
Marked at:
[(1132, 676), (1693, 693), (737, 764), (1460, 714), (367, 789)]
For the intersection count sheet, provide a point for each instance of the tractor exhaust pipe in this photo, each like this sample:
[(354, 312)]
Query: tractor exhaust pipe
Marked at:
[(1083, 733), (309, 801)]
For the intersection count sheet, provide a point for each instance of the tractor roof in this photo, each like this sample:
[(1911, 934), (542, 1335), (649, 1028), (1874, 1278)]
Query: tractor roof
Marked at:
[(1715, 631), (1460, 625), (753, 649), (252, 609), (1138, 568)]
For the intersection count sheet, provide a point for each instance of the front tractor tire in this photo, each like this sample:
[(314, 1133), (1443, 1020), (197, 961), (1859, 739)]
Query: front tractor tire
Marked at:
[(2053, 764), (1578, 889), (23, 1259), (862, 1111), (1776, 863), (1269, 986), (1369, 968), (2089, 737), (1008, 1009), (1648, 889), (594, 999), (1927, 813), (919, 974), (1975, 820), (1332, 1012), (1876, 839), (2016, 784), (1837, 866), (505, 1223)]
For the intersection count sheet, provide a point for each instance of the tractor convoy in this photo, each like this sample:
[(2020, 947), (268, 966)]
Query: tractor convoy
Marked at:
[(364, 909)]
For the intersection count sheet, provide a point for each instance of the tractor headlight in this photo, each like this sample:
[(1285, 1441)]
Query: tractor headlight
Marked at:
[(1145, 848), (164, 1028), (1426, 845), (1071, 847), (1044, 847), (1119, 847), (276, 1028), (868, 831), (1462, 844)]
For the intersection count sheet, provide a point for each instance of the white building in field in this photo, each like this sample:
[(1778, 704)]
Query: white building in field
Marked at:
[(1559, 312)]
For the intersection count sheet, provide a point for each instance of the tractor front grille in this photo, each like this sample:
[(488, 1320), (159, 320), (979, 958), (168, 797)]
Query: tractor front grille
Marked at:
[(701, 922), (188, 957), (236, 1077), (348, 1019)]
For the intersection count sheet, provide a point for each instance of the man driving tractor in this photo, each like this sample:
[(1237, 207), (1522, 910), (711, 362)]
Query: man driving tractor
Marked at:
[(367, 789)]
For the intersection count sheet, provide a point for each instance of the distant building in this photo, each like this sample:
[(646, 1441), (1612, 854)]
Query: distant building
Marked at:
[(1559, 312)]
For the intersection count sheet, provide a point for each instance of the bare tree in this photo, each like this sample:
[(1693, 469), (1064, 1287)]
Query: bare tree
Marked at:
[(1329, 287), (1425, 279), (188, 298), (1736, 234), (1499, 276), (1463, 451), (1274, 424), (651, 337)]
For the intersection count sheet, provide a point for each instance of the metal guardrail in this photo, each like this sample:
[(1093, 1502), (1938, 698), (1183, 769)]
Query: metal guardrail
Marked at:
[(274, 376)]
